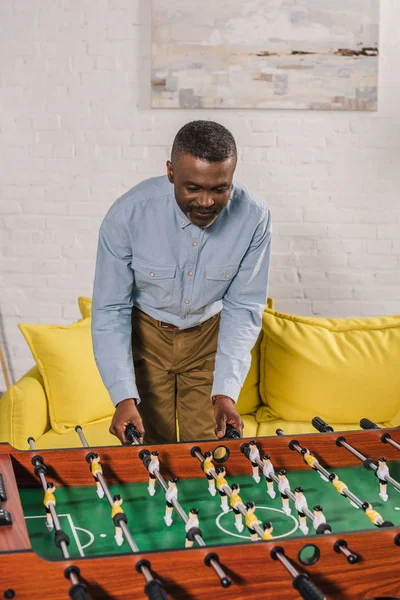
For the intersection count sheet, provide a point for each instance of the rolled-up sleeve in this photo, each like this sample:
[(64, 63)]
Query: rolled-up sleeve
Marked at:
[(112, 310), (241, 315)]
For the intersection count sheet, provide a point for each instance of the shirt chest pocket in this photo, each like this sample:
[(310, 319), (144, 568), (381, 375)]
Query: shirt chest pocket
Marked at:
[(218, 279), (154, 283)]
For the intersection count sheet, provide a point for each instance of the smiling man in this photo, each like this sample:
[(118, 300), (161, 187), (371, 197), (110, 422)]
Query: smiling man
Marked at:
[(180, 287)]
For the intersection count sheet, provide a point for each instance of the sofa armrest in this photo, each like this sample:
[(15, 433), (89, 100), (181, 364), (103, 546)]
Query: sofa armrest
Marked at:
[(24, 410)]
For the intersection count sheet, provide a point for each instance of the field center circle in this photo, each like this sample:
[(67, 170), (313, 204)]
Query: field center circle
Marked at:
[(246, 537)]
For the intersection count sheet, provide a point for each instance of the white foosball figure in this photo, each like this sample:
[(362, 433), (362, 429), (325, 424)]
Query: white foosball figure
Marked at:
[(170, 494), (283, 486), (254, 455), (153, 466), (193, 523), (300, 505), (382, 472), (268, 471)]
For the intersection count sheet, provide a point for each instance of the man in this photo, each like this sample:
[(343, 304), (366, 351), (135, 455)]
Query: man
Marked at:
[(180, 287)]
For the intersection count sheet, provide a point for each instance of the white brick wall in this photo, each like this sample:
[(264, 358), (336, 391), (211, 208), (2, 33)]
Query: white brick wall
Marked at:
[(76, 131)]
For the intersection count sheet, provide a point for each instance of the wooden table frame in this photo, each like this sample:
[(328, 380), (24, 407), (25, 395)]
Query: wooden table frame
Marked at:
[(182, 572)]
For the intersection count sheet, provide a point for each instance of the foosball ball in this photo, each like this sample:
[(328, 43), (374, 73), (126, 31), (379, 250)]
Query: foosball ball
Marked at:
[(316, 516)]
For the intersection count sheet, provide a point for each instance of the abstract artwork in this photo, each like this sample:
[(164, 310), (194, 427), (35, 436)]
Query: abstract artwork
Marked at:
[(294, 54)]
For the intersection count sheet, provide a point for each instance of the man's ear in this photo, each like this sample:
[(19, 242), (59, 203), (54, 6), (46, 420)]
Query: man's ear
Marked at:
[(170, 171)]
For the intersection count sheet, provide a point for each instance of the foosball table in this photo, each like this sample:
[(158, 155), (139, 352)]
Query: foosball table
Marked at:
[(312, 516)]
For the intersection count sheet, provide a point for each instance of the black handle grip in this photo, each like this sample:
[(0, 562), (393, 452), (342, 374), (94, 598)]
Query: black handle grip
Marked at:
[(306, 588), (154, 590), (132, 434), (78, 592), (321, 425), (231, 433), (367, 424)]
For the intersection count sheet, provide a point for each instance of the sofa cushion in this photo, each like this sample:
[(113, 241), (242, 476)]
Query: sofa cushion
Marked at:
[(24, 410), (339, 369), (85, 306), (74, 389), (97, 434)]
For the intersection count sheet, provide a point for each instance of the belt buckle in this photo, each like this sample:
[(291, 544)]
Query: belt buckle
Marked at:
[(163, 325)]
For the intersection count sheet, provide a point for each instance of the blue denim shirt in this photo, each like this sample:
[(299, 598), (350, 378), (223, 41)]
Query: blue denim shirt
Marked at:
[(152, 257)]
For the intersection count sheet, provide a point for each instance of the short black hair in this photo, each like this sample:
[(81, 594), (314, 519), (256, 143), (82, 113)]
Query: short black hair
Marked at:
[(117, 497), (206, 140)]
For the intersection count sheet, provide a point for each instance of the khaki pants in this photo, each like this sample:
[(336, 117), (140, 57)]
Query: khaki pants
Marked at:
[(174, 376)]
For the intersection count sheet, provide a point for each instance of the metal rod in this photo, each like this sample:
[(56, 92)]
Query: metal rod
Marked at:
[(287, 564), (199, 540), (53, 512), (125, 529), (318, 467), (394, 444), (79, 431), (355, 452), (372, 465), (288, 492)]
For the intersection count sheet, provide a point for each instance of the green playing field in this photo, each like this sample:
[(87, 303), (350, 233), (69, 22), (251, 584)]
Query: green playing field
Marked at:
[(87, 519)]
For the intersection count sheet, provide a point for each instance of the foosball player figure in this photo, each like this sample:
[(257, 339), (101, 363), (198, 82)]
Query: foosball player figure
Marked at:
[(193, 523), (311, 461), (268, 471), (268, 529), (48, 499), (301, 504), (382, 472), (251, 519), (283, 486), (254, 454), (208, 467), (340, 487), (235, 500), (319, 522), (170, 494), (96, 469), (154, 465), (372, 514), (220, 482), (118, 515)]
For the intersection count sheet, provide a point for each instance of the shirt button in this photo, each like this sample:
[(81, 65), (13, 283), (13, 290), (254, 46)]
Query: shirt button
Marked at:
[(227, 276), (195, 244), (187, 301), (182, 223), (152, 274), (183, 318), (190, 273)]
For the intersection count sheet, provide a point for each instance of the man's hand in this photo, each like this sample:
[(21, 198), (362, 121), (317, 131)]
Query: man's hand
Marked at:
[(126, 413), (225, 412)]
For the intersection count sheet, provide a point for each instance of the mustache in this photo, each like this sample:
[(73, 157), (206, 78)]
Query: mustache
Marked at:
[(204, 211)]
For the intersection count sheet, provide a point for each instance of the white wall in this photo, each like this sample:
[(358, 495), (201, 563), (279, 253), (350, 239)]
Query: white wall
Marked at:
[(77, 131)]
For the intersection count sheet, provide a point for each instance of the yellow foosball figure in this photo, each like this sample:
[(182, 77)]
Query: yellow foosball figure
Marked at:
[(220, 482), (372, 514), (311, 461), (118, 515), (208, 468), (267, 533), (340, 487), (49, 499), (235, 501), (251, 520), (96, 469)]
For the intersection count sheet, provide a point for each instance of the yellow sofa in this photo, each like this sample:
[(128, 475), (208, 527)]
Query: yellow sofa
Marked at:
[(339, 369)]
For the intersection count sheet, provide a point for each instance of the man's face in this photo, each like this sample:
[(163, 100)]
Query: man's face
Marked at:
[(202, 189)]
